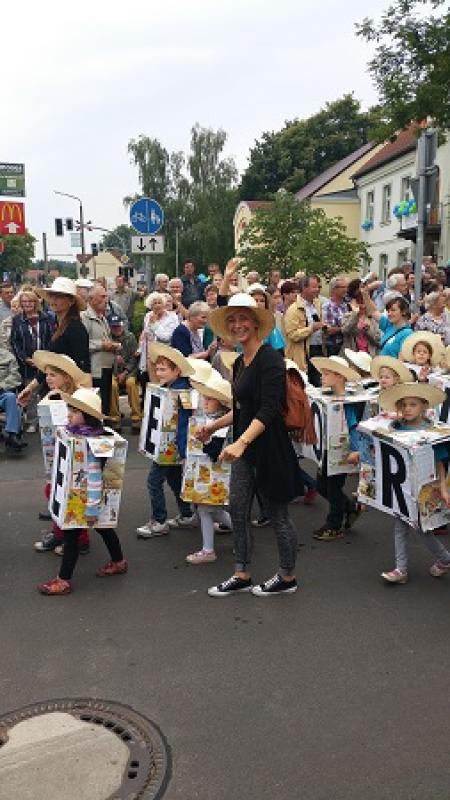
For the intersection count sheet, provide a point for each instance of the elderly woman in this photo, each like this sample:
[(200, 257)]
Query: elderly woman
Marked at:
[(435, 319), (159, 325), (394, 325), (31, 329), (261, 456), (188, 336), (361, 332), (175, 289), (161, 282)]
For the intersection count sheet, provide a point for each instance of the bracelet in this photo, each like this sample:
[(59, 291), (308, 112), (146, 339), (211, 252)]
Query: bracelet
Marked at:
[(245, 441)]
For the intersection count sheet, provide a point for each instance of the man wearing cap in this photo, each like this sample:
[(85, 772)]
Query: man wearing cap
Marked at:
[(125, 297), (102, 349), (125, 374), (303, 328)]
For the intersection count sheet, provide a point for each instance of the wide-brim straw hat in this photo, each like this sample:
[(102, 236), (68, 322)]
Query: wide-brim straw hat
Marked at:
[(201, 369), (241, 301), (45, 358), (336, 364), (62, 286), (290, 364), (216, 387), (158, 349), (432, 339), (228, 357), (392, 363), (359, 360), (86, 400), (424, 391)]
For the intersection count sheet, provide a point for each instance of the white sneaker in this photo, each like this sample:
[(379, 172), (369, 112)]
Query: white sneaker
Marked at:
[(31, 429), (183, 522), (152, 529)]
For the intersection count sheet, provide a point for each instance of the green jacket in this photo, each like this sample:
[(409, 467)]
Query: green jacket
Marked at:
[(9, 371), (128, 353)]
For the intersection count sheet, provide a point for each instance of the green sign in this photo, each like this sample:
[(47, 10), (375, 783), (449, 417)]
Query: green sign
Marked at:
[(12, 180)]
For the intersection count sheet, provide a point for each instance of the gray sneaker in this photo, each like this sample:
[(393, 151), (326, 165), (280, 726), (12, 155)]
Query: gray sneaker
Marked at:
[(183, 522), (152, 529)]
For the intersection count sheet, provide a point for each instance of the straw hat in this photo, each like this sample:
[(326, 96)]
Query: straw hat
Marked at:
[(201, 369), (290, 364), (45, 358), (62, 286), (336, 364), (86, 400), (241, 300), (158, 349), (361, 360), (432, 339), (424, 391), (216, 387), (392, 363), (228, 357)]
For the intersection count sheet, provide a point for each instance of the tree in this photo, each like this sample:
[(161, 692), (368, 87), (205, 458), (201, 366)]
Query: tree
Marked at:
[(291, 236), (411, 65), (17, 254), (292, 157), (196, 191)]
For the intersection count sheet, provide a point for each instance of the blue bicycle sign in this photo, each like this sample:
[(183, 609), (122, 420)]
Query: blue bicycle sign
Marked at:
[(146, 216)]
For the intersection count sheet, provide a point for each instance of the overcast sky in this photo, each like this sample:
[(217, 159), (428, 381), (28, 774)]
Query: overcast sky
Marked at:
[(81, 79)]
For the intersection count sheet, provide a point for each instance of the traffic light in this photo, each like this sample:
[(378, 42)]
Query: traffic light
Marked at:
[(69, 224), (94, 249), (59, 227)]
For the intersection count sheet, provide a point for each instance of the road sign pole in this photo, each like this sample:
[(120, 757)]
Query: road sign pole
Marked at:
[(149, 272)]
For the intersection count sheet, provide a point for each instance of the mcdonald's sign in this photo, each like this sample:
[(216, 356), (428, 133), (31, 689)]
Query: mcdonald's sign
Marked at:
[(12, 218)]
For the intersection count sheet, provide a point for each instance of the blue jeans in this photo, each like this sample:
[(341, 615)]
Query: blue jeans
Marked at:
[(155, 485), (8, 403)]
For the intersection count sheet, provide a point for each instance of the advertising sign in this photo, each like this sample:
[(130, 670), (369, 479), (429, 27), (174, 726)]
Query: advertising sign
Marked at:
[(12, 180), (12, 218)]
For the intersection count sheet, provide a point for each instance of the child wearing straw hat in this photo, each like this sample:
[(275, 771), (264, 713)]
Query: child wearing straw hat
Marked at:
[(410, 401), (172, 370), (423, 352), (335, 373), (389, 371), (85, 420), (216, 401), (61, 375)]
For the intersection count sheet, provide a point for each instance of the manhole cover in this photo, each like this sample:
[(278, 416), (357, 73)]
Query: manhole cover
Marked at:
[(86, 749)]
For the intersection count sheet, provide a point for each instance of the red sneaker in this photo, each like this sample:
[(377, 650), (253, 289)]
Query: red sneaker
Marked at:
[(310, 496), (113, 568), (55, 586)]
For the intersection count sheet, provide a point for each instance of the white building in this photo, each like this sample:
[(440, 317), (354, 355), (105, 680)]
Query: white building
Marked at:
[(382, 184)]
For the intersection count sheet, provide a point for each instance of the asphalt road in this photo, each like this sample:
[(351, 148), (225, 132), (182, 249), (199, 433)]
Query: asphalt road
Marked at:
[(337, 692)]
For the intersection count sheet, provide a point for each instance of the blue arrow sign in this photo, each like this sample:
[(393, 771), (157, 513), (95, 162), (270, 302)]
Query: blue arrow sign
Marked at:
[(146, 216)]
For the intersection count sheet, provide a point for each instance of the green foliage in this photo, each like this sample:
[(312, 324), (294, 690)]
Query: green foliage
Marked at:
[(197, 193), (17, 255), (291, 236), (292, 157), (411, 65)]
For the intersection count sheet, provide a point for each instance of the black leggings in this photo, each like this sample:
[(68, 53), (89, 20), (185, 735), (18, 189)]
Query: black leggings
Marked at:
[(71, 550)]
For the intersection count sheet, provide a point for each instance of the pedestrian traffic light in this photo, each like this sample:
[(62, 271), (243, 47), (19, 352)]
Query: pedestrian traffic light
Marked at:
[(59, 228), (69, 224), (94, 249)]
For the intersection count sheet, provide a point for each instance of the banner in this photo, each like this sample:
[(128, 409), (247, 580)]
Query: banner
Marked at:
[(204, 481), (68, 493), (399, 477)]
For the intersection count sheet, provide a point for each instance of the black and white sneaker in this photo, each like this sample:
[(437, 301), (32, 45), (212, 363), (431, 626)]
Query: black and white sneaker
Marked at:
[(275, 585), (231, 586)]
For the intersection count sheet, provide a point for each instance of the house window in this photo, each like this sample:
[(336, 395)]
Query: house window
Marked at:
[(383, 266), (406, 192), (402, 256), (386, 206), (370, 206)]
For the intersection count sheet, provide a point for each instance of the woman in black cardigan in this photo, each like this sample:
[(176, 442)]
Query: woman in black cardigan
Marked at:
[(70, 337), (262, 455)]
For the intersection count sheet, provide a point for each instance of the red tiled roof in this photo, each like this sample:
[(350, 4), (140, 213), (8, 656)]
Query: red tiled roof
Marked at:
[(405, 142), (252, 204)]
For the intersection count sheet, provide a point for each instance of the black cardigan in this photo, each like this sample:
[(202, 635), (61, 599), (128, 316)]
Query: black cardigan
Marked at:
[(259, 392), (74, 342)]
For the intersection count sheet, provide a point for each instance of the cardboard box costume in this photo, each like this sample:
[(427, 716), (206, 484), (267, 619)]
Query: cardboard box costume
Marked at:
[(68, 493), (158, 434), (398, 472), (204, 481), (51, 414)]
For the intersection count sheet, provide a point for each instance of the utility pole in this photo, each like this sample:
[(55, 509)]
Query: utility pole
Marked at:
[(423, 189), (176, 250), (45, 256)]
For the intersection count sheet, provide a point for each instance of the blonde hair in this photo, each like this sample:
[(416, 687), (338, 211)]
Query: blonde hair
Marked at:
[(20, 294)]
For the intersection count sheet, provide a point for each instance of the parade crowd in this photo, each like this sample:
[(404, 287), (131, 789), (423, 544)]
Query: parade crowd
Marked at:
[(241, 358)]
